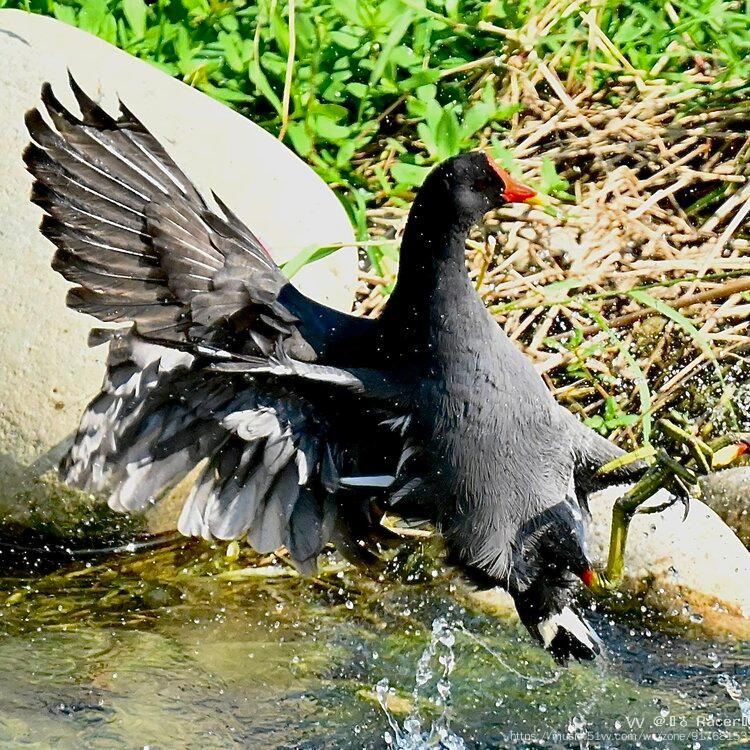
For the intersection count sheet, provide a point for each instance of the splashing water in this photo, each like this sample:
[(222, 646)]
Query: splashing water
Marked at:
[(578, 729), (529, 679), (437, 657), (734, 691)]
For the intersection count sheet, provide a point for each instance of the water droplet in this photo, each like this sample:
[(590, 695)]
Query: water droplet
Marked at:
[(444, 689)]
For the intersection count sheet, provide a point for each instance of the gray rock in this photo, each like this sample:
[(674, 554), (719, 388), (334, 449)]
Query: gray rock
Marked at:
[(727, 493), (694, 569), (47, 374)]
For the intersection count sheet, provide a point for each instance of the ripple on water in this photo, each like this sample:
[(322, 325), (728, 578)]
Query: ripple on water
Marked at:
[(287, 665)]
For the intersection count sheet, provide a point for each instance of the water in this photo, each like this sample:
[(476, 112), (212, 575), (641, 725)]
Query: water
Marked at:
[(411, 736), (179, 649)]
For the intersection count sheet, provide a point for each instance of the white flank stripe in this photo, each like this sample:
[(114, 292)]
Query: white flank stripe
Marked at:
[(575, 625), (377, 480), (569, 620)]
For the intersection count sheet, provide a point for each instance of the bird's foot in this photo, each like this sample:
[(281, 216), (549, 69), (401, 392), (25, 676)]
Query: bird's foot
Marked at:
[(678, 478)]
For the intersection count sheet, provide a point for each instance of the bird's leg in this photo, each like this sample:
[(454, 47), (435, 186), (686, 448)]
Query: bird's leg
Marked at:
[(608, 580), (666, 473)]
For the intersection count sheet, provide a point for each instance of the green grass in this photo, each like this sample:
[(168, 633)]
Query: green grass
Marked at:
[(362, 72)]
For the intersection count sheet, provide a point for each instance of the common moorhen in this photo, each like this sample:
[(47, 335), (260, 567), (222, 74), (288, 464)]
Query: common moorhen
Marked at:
[(312, 422)]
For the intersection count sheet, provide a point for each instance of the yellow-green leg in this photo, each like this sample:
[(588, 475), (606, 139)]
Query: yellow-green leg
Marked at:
[(666, 473)]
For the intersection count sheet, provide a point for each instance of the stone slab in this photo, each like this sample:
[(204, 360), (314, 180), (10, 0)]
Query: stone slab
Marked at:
[(693, 568), (728, 493)]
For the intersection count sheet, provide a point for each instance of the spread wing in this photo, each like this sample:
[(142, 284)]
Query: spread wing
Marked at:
[(143, 245), (275, 463), (201, 376)]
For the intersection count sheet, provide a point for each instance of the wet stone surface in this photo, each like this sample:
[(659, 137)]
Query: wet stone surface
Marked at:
[(728, 494)]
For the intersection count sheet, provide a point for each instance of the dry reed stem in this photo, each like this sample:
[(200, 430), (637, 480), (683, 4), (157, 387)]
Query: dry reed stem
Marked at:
[(639, 170)]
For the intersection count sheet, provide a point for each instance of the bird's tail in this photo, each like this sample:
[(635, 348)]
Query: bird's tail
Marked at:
[(547, 611)]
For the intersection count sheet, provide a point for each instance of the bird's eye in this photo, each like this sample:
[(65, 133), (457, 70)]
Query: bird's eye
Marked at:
[(481, 185)]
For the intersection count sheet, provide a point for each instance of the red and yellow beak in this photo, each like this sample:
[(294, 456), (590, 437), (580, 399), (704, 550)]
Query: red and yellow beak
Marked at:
[(515, 191)]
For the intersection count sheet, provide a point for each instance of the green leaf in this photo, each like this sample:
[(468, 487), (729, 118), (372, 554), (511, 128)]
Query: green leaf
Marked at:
[(230, 46), (225, 94), (433, 113), (108, 29), (552, 183), (502, 114), (404, 57), (280, 31), (448, 135), (345, 153), (347, 41), (135, 12), (327, 128), (419, 79), (397, 33), (409, 174), (92, 15), (305, 257), (427, 92), (182, 46), (596, 423), (475, 118), (301, 141), (358, 89), (505, 158), (349, 9), (64, 13), (426, 136), (334, 91), (333, 112), (258, 77)]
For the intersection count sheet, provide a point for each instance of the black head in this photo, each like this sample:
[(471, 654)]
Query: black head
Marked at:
[(553, 544), (470, 185), (454, 197)]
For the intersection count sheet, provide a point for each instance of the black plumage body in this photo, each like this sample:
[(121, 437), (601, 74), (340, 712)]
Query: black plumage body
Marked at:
[(311, 422)]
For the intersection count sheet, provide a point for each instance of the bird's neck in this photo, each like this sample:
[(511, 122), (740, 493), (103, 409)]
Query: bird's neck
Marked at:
[(432, 278)]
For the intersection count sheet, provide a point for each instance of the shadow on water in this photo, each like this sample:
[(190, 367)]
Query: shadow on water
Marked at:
[(184, 647)]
